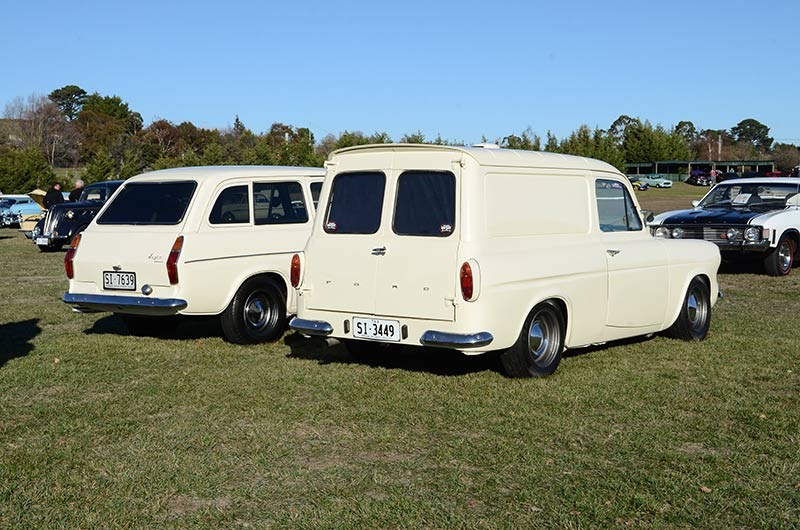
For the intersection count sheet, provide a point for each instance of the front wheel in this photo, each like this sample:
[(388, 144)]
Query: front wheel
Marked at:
[(538, 349), (256, 314), (779, 261), (694, 318)]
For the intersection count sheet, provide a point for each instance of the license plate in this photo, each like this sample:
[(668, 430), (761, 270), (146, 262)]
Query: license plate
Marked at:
[(42, 241), (121, 281), (376, 329)]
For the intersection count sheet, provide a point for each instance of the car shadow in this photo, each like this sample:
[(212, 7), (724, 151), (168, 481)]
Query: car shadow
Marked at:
[(434, 361), (577, 352), (7, 237), (16, 337), (186, 328), (742, 267)]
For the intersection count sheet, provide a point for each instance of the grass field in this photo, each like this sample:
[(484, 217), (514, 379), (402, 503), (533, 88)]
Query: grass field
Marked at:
[(99, 429)]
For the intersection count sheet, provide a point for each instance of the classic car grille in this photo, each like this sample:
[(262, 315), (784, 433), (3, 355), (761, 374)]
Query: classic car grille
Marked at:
[(50, 221), (713, 233)]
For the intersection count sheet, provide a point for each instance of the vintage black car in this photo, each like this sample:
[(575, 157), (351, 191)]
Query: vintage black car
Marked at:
[(64, 220)]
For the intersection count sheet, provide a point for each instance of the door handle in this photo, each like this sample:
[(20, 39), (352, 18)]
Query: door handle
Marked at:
[(612, 252), (379, 251)]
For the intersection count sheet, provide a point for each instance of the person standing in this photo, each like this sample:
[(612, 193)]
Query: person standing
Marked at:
[(75, 194), (53, 195)]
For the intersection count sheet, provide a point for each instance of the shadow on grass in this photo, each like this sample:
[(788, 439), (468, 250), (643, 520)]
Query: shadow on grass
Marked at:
[(176, 328), (748, 266), (577, 352), (16, 337), (411, 358), (7, 237)]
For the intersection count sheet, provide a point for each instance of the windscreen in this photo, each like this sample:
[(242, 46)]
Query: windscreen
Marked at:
[(426, 204), (149, 203), (750, 195), (356, 202)]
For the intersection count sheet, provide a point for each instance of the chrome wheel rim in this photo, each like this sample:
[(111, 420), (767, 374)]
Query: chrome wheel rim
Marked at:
[(697, 308), (257, 311), (543, 338), (785, 256)]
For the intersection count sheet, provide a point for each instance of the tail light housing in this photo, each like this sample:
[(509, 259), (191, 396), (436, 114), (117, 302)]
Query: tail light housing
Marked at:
[(172, 260), (294, 271), (69, 257), (466, 280)]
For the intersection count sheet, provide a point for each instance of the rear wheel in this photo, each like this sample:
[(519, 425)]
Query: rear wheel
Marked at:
[(694, 318), (256, 314), (780, 259), (537, 351), (143, 326)]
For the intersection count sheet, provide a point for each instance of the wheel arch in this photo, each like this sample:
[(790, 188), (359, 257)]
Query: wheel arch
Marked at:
[(681, 295), (276, 277)]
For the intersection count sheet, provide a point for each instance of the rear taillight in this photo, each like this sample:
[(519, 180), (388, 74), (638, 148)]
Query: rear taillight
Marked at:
[(172, 260), (69, 257), (294, 271), (467, 285)]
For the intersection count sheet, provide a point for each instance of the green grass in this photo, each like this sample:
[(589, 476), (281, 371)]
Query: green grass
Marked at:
[(678, 197), (103, 430)]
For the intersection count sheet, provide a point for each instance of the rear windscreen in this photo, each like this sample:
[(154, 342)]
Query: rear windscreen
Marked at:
[(355, 204), (426, 204), (149, 203)]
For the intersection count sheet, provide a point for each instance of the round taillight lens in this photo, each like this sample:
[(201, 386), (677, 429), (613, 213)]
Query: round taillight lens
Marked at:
[(294, 271), (467, 285)]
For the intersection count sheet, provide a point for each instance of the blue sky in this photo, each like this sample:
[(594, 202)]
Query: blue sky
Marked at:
[(459, 69)]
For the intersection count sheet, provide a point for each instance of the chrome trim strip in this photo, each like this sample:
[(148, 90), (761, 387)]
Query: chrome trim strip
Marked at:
[(455, 340), (311, 327), (288, 252), (101, 302)]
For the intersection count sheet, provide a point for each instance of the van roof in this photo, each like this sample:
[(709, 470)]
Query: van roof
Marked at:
[(493, 156), (224, 172)]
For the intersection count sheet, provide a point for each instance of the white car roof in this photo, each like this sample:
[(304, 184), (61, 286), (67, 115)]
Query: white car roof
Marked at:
[(10, 196), (491, 155), (226, 172), (763, 180)]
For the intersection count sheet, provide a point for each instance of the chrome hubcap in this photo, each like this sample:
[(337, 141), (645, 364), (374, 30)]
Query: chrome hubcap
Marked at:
[(543, 339), (785, 256), (257, 311), (697, 308)]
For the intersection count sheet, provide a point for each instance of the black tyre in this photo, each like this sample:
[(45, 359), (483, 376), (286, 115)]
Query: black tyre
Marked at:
[(780, 260), (256, 314), (538, 349), (143, 326), (694, 318)]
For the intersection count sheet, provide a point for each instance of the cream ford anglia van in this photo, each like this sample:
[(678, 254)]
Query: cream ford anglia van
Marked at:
[(479, 249), (197, 241)]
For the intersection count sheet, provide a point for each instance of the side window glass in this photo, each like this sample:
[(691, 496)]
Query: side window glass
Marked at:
[(279, 203), (426, 204), (231, 207), (615, 208), (355, 203), (316, 188)]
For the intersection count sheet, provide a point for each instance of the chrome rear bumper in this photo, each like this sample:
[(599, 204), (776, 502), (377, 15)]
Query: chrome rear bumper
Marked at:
[(318, 328), (93, 303), (458, 341)]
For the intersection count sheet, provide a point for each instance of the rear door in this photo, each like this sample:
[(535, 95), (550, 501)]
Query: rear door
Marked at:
[(416, 264)]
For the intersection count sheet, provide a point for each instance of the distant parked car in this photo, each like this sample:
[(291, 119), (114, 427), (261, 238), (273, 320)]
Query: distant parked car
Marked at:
[(213, 241), (700, 179), (638, 185), (744, 217), (655, 181), (13, 215), (64, 220), (774, 174)]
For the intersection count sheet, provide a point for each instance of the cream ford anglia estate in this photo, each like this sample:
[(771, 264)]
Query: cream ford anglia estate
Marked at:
[(197, 241), (480, 249)]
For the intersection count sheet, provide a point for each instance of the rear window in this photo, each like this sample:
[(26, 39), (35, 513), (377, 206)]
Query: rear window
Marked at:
[(355, 203), (316, 188), (149, 203), (426, 204)]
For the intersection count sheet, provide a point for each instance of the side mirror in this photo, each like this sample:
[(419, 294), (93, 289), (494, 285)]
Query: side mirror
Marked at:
[(695, 203), (648, 216)]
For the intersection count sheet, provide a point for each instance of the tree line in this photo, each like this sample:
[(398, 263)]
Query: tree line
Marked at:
[(102, 135)]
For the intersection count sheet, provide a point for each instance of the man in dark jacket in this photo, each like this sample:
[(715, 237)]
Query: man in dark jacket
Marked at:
[(75, 194), (53, 195)]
